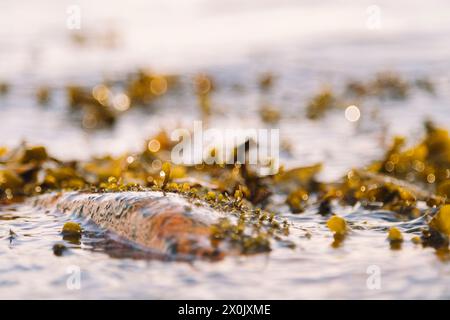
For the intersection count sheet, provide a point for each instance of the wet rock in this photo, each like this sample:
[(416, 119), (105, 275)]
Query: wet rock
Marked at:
[(152, 220)]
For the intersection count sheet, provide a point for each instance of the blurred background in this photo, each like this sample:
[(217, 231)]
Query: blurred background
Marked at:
[(297, 47)]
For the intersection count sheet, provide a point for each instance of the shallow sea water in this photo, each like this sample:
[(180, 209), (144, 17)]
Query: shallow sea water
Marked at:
[(305, 45), (314, 269)]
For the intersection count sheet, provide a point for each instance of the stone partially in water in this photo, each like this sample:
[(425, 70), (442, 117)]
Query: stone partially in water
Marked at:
[(164, 223)]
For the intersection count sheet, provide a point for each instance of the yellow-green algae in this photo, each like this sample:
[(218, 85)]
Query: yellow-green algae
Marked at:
[(397, 182)]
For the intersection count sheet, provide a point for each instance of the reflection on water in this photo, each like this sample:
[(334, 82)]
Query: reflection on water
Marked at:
[(305, 45)]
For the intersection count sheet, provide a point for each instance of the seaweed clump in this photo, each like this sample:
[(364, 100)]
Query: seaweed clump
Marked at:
[(402, 178), (234, 189), (398, 182), (426, 164), (99, 106), (320, 104), (386, 85), (438, 232)]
